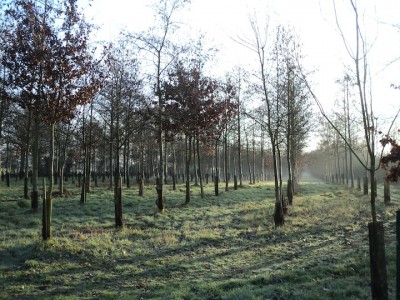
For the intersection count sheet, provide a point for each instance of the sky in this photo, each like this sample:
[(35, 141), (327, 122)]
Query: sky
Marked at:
[(222, 21)]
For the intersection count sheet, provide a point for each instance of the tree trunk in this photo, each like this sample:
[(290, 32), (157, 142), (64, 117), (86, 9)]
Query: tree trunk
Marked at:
[(248, 158), (262, 158), (240, 169), (173, 168), (141, 167), (290, 191), (196, 175), (128, 182), (283, 202), (159, 187), (8, 165), (365, 185), (188, 154), (118, 198), (159, 201), (44, 218), (216, 175), (165, 162), (199, 168), (117, 174), (278, 214), (377, 261), (35, 167), (254, 158), (226, 161), (386, 192), (49, 205), (85, 163), (26, 171), (111, 171)]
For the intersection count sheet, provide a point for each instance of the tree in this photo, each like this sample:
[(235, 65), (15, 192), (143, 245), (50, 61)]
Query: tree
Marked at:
[(270, 88), (119, 95), (358, 52), (192, 109), (50, 67), (156, 42)]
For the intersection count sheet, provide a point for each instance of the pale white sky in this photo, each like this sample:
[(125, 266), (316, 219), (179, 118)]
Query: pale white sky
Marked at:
[(313, 21)]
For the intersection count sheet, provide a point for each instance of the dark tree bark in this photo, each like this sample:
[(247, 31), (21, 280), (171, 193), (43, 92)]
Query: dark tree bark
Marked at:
[(141, 166), (226, 160), (216, 175), (199, 168), (377, 261), (188, 154), (35, 166), (386, 192), (27, 145)]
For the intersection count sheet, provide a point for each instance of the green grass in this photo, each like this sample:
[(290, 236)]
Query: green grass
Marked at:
[(222, 247)]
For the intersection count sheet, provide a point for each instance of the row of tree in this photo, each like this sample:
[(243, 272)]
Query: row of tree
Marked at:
[(93, 110)]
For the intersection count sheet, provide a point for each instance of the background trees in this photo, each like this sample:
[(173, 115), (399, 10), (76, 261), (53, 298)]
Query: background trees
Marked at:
[(284, 95), (118, 100)]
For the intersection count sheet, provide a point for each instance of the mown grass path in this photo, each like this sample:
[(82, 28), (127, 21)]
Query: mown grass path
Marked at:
[(222, 247)]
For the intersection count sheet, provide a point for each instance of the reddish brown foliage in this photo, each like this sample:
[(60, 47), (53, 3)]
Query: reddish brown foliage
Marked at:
[(391, 161), (197, 105)]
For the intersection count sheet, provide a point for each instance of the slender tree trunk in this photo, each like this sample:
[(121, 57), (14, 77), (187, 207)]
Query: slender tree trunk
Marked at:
[(85, 161), (49, 205), (235, 182), (141, 167), (111, 169), (165, 162), (8, 163), (248, 158), (339, 174), (117, 175), (226, 160), (159, 186), (118, 194), (262, 158), (199, 168), (28, 142), (289, 144), (196, 175), (254, 158), (386, 192), (216, 175), (89, 152), (290, 175), (188, 154), (278, 214), (35, 167), (240, 170), (283, 204), (173, 168), (126, 169), (63, 150)]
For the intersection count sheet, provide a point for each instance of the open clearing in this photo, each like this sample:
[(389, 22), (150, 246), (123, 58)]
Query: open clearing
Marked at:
[(222, 247)]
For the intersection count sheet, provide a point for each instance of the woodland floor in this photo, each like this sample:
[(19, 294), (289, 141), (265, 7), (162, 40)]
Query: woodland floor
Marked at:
[(222, 247)]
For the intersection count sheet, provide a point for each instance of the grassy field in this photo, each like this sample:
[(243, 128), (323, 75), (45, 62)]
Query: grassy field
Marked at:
[(222, 247)]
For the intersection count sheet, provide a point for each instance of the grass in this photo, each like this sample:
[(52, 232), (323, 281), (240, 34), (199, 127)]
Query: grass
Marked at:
[(222, 247)]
